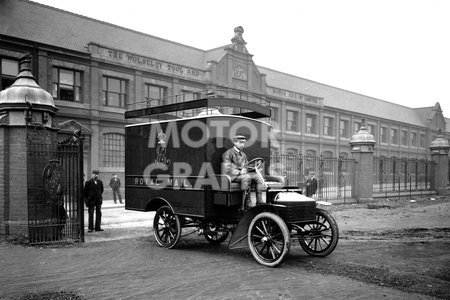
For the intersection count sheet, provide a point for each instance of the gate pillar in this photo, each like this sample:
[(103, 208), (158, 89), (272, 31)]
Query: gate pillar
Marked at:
[(363, 144), (21, 104), (439, 155)]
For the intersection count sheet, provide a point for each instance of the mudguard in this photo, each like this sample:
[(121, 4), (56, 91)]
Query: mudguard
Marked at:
[(239, 237)]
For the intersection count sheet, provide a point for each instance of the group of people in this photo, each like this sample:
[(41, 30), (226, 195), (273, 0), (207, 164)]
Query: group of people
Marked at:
[(93, 198)]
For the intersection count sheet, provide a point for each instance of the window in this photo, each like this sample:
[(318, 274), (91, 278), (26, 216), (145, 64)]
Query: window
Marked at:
[(413, 139), (356, 127), (343, 128), (328, 126), (66, 85), (291, 152), (114, 92), (154, 94), (327, 160), (311, 124), (423, 140), (291, 121), (384, 135), (372, 129), (190, 95), (394, 136), (404, 137), (311, 153), (113, 150), (10, 69), (343, 155), (275, 117)]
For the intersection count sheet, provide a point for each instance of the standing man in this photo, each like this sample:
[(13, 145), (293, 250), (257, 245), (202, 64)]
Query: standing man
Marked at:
[(235, 165), (311, 184), (115, 186), (93, 190)]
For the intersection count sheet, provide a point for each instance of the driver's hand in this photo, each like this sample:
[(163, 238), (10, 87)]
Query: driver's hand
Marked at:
[(244, 171)]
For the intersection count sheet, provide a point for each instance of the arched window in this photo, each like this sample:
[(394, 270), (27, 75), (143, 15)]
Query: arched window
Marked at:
[(291, 151), (327, 154), (113, 150), (311, 153), (344, 155)]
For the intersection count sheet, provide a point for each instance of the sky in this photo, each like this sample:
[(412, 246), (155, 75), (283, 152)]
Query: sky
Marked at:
[(393, 50)]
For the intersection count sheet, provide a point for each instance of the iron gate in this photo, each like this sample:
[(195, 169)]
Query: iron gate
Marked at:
[(335, 176), (55, 182)]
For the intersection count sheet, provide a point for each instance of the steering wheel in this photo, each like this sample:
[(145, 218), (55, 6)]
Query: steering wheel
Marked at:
[(256, 163)]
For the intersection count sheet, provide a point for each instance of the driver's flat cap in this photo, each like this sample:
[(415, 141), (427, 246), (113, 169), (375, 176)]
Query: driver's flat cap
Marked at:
[(240, 138)]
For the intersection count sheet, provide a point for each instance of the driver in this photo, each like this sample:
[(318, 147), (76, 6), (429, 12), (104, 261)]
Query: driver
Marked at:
[(235, 165)]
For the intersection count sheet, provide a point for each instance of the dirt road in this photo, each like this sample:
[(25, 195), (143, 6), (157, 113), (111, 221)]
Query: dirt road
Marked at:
[(391, 249)]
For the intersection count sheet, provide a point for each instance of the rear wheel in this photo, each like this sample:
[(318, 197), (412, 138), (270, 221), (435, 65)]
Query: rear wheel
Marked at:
[(321, 236), (216, 233), (268, 239), (167, 227)]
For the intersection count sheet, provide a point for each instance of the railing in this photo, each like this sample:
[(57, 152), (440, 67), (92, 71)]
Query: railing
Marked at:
[(396, 175), (189, 96), (334, 176)]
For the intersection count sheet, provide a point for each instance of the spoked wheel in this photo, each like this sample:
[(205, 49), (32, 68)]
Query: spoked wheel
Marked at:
[(166, 227), (216, 233), (268, 239), (321, 236)]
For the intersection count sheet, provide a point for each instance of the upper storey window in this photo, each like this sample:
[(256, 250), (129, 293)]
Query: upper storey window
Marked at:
[(66, 84), (10, 69), (114, 92), (154, 94), (292, 121), (328, 126), (344, 129), (311, 124)]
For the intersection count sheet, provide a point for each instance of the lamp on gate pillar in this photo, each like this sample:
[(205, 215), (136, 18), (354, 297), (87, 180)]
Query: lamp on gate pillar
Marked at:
[(363, 141), (25, 101), (22, 104), (439, 155)]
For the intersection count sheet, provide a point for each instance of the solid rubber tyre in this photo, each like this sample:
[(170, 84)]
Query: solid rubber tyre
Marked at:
[(268, 239), (322, 234), (166, 227)]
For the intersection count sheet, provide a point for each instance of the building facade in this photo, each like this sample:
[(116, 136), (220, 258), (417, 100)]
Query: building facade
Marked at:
[(96, 70)]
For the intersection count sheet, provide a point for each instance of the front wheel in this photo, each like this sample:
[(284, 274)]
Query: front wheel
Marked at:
[(268, 239), (166, 227), (320, 237)]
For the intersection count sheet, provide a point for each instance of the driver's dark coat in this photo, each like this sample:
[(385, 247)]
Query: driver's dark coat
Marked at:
[(234, 163)]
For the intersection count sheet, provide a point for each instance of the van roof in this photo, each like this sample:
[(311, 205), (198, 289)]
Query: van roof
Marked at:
[(247, 105), (200, 116)]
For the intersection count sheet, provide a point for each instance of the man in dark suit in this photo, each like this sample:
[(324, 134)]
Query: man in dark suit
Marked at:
[(93, 190)]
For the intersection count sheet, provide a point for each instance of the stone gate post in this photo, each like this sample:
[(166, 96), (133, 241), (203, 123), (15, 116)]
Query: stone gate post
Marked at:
[(439, 155), (362, 145), (23, 103)]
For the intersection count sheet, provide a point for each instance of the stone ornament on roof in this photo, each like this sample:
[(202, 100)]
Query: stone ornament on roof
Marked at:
[(238, 41)]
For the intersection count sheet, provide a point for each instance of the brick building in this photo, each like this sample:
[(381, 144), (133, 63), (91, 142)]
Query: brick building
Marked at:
[(95, 69)]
